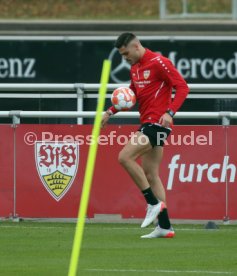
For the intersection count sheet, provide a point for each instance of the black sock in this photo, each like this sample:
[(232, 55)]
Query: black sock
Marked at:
[(163, 218), (149, 196)]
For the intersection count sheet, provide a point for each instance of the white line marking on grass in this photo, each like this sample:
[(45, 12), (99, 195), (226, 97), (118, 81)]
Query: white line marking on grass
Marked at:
[(87, 227), (31, 227), (157, 271), (176, 229)]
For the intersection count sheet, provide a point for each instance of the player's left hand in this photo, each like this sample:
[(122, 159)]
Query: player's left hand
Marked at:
[(166, 120)]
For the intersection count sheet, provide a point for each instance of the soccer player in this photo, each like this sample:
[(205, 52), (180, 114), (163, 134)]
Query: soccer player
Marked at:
[(153, 77)]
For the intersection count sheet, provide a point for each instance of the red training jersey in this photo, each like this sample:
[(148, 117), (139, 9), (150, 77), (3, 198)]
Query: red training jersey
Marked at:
[(152, 80)]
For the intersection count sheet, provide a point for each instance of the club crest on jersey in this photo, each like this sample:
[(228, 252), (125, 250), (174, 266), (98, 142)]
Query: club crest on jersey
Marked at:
[(146, 74), (57, 165)]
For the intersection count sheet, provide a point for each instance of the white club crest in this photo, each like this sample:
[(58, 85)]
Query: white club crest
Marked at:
[(146, 74)]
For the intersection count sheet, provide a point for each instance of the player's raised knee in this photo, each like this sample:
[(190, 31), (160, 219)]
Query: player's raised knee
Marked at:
[(123, 158)]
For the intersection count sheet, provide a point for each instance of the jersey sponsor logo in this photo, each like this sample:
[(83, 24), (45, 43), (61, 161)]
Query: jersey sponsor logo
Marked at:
[(146, 74), (57, 164), (141, 84)]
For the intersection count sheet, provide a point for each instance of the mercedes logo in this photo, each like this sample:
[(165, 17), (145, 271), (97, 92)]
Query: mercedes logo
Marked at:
[(119, 67)]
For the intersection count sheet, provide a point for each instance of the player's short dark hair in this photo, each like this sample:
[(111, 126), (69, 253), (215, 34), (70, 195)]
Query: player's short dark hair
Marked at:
[(124, 39)]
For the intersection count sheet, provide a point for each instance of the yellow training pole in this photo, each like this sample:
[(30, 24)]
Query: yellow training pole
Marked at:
[(89, 171)]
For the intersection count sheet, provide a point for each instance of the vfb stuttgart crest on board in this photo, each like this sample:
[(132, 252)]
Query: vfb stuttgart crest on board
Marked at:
[(57, 165)]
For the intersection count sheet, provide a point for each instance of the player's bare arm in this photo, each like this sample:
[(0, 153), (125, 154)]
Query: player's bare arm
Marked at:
[(105, 118)]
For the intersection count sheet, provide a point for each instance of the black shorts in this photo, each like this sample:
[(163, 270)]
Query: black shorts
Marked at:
[(156, 133)]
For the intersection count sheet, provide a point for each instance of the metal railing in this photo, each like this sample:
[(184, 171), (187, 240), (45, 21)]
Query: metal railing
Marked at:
[(88, 87), (84, 90), (225, 116)]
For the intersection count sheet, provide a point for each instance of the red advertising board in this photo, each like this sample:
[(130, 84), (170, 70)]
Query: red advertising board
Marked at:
[(192, 172), (6, 170), (45, 187), (198, 167)]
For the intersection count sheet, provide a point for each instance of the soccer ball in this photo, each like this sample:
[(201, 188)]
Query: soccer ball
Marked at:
[(123, 98)]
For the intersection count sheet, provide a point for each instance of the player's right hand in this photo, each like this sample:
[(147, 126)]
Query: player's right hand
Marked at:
[(105, 120)]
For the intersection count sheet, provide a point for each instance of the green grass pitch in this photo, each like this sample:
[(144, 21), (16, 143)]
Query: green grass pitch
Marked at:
[(37, 248)]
